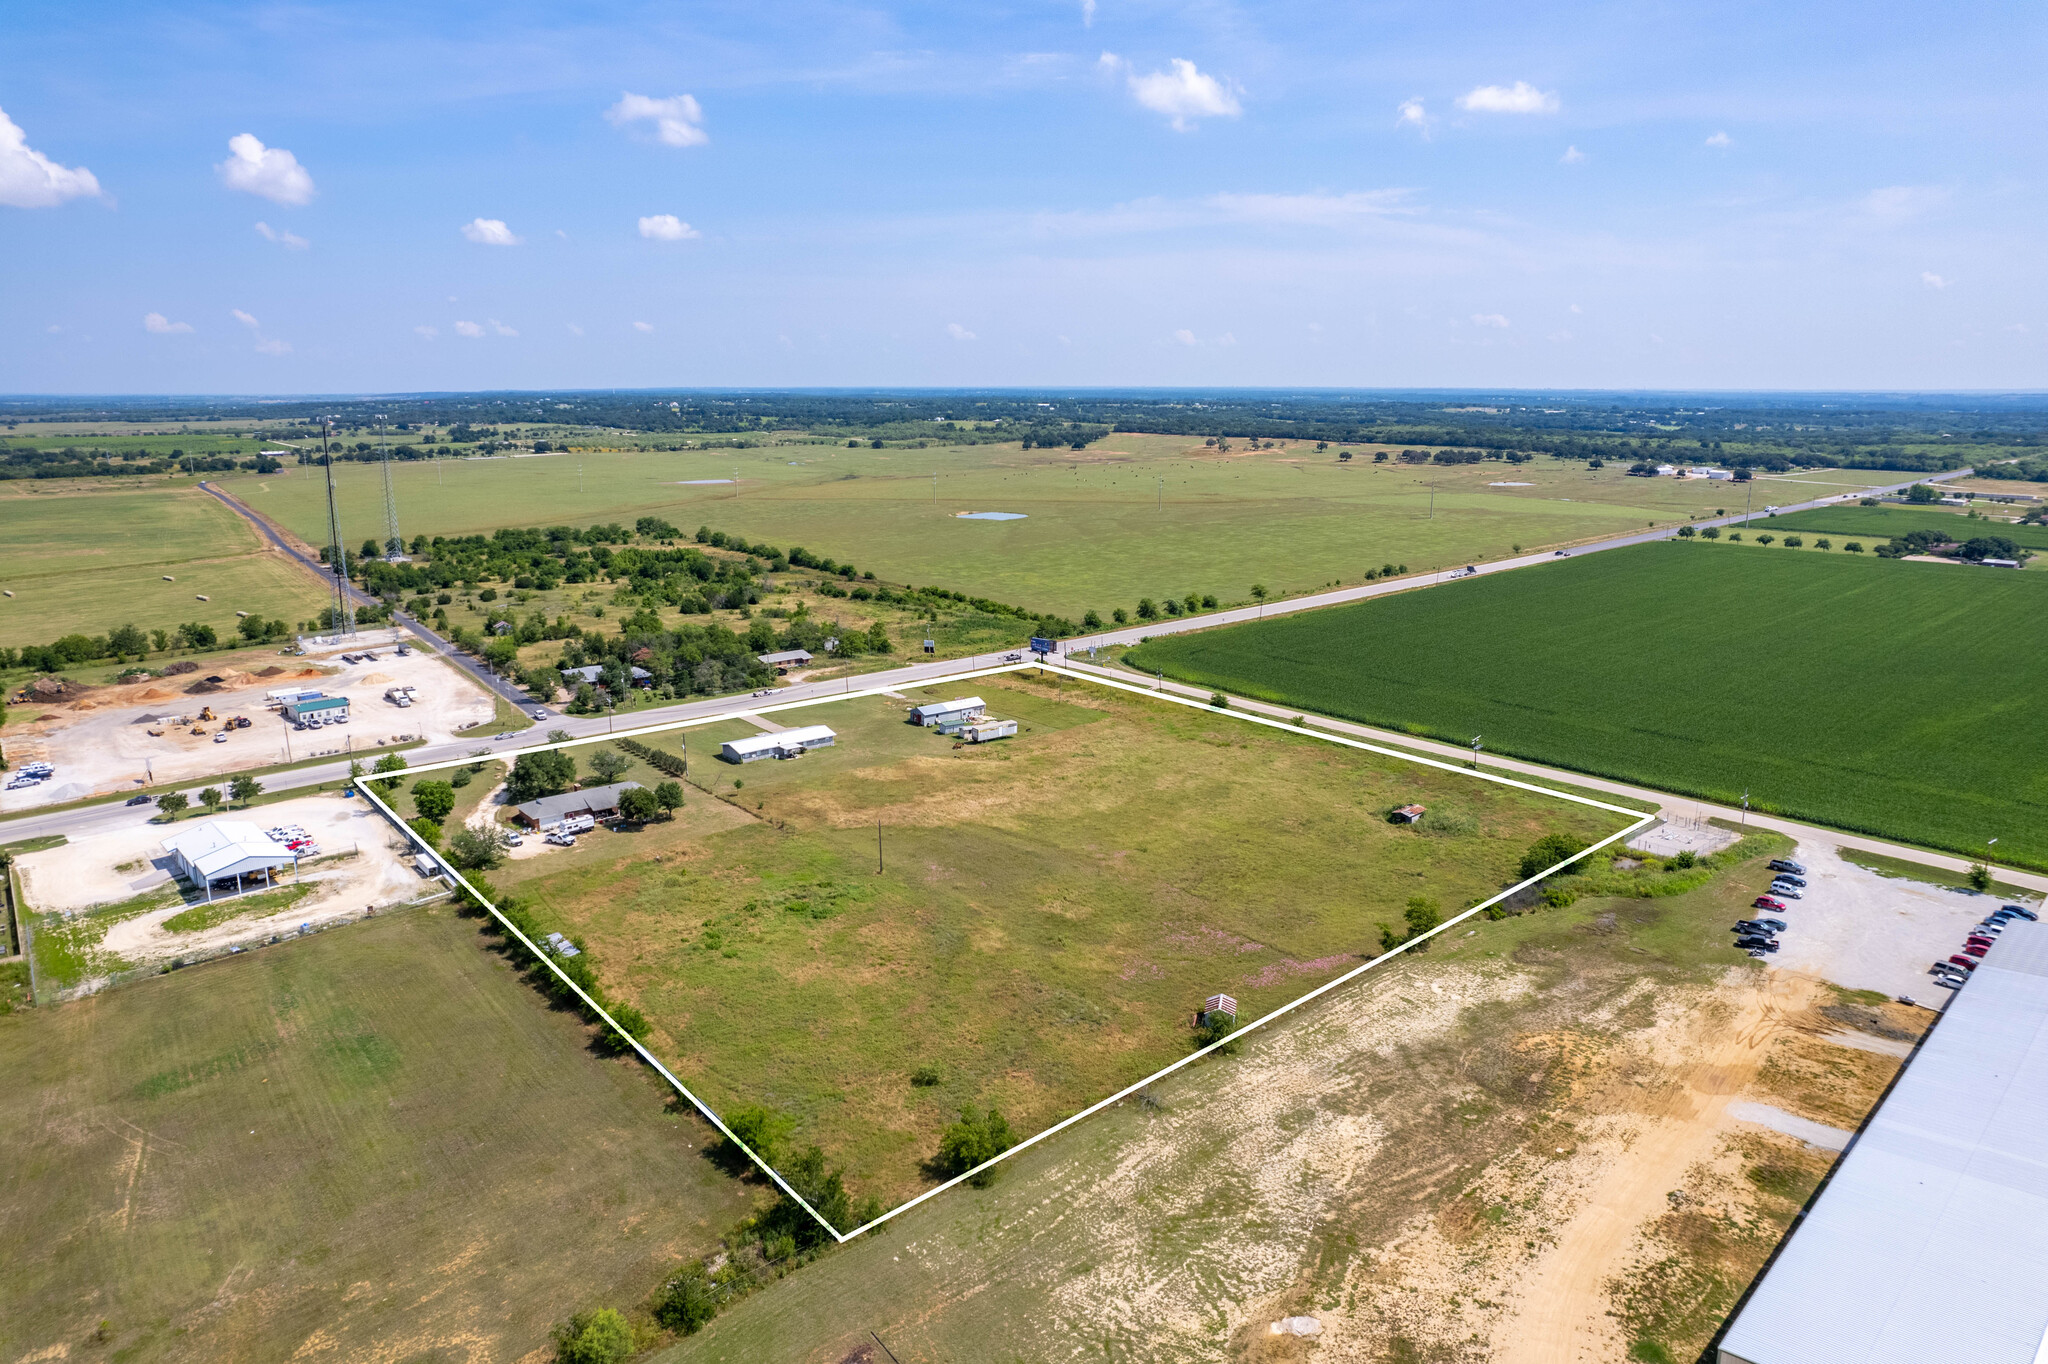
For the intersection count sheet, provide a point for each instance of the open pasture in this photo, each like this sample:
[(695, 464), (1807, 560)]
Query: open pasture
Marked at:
[(88, 558), (1031, 923), (1129, 517), (1893, 699), (374, 1143)]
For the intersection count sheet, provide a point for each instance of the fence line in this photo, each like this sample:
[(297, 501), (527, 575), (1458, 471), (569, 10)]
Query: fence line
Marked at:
[(1638, 821)]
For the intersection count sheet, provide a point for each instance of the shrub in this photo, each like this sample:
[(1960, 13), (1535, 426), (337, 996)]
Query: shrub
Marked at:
[(974, 1140), (1549, 850), (1765, 538), (763, 1129), (639, 805), (1683, 859), (688, 1301), (429, 830), (1219, 700), (433, 799), (1711, 533), (1980, 876), (1854, 546), (600, 1337), (924, 1077), (470, 850), (1794, 542)]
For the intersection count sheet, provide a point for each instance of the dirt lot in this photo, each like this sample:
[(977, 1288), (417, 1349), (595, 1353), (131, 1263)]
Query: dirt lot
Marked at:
[(101, 741), (363, 864)]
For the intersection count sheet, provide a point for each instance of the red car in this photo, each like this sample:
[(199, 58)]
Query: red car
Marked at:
[(1766, 902), (1979, 940), (1967, 963), (1975, 950)]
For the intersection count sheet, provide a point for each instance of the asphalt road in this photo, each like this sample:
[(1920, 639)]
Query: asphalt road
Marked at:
[(81, 822)]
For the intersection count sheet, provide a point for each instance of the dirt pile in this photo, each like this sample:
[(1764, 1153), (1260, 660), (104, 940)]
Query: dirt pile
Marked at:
[(56, 689), (272, 671), (183, 665)]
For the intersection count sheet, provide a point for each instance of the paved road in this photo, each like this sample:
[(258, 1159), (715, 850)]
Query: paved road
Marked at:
[(434, 642), (76, 823)]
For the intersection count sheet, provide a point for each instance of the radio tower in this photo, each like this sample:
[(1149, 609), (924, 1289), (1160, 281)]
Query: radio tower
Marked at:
[(337, 552), (394, 544)]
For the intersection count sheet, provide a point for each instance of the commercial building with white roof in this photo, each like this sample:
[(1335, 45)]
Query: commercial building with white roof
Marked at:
[(1930, 1241), (938, 712), (226, 849), (787, 743)]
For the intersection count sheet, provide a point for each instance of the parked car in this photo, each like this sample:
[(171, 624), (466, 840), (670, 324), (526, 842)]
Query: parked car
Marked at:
[(1967, 963), (140, 800), (562, 840), (1975, 949), (540, 715), (2026, 914), (1980, 940), (514, 839), (1791, 878), (1757, 944), (1775, 925), (1990, 928), (1766, 902), (1781, 864), (1787, 892), (1749, 926)]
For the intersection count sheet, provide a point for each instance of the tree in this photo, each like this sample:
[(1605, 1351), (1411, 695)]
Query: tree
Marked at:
[(762, 1129), (669, 796), (210, 798), (609, 764), (433, 799), (600, 1337), (1686, 532), (368, 551), (1092, 621), (688, 1301), (1823, 543), (540, 774), (476, 850), (1259, 591), (1548, 851), (1147, 609), (126, 640), (1794, 542), (429, 830), (1711, 533), (1765, 538), (244, 787), (1854, 546), (1980, 876), (1922, 493), (638, 804), (172, 803), (390, 762), (161, 639), (974, 1140)]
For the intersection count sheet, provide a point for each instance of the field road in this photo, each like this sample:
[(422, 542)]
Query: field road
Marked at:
[(79, 822)]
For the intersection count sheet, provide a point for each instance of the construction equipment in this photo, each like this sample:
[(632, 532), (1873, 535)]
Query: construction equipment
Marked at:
[(199, 731), (241, 722), (156, 734), (205, 713)]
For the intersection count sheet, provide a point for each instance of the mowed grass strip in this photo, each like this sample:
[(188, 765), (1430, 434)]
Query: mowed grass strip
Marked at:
[(1048, 912), (1894, 699), (375, 1143)]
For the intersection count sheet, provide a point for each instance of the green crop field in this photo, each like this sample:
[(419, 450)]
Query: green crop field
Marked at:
[(1048, 913), (1131, 516), (1875, 525), (85, 558), (1896, 699), (376, 1143)]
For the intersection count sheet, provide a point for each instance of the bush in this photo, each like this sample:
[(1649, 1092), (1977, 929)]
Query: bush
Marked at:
[(687, 1302), (600, 1337), (470, 850), (1980, 876), (1548, 851), (1683, 859), (975, 1139), (540, 774), (639, 805), (1794, 542), (924, 1077), (1219, 700), (429, 831), (433, 799)]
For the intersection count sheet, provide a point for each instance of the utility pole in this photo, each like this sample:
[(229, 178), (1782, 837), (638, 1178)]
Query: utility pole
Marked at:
[(394, 544), (344, 612), (1745, 809)]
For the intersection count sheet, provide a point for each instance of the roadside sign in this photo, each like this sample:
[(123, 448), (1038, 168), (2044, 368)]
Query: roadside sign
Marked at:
[(931, 647), (1042, 645)]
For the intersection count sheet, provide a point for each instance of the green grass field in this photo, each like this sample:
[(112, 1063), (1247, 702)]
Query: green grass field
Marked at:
[(82, 559), (1887, 698), (1876, 525), (376, 1143), (1101, 528), (1050, 911)]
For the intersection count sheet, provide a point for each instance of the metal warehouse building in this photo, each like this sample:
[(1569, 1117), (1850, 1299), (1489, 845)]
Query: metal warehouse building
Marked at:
[(227, 850), (787, 743), (1930, 1240)]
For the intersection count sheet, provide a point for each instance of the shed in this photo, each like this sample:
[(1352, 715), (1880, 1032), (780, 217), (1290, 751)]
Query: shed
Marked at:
[(1931, 1236), (1407, 814), (226, 850), (787, 659), (316, 706), (1999, 563), (598, 803), (788, 743), (983, 731), (937, 712)]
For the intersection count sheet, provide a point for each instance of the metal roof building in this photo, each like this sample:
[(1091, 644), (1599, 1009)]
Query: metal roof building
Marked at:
[(599, 802), (224, 848), (1931, 1238), (937, 711), (788, 658), (316, 705), (786, 743)]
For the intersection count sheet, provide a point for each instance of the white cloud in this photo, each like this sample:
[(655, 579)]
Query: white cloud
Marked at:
[(1186, 337), (643, 326), (1720, 140), (489, 232), (1572, 156), (282, 237), (1519, 98), (270, 345), (428, 332), (1226, 340), (271, 172), (678, 120), (468, 329), (1411, 114), (1934, 281), (667, 227), (54, 329), (501, 329), (163, 326), (1183, 94), (1087, 13), (1577, 309), (1488, 320), (575, 330), (243, 318), (28, 179), (958, 332)]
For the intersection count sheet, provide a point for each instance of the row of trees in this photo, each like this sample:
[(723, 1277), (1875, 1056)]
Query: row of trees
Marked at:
[(132, 642)]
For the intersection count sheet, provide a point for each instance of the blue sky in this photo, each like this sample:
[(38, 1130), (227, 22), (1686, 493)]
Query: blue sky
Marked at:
[(525, 195)]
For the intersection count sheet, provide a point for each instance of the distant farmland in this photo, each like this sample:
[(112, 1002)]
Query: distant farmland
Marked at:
[(1879, 524), (1896, 699)]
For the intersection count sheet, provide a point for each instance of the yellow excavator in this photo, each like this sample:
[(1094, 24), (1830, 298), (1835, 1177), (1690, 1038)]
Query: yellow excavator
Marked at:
[(205, 713)]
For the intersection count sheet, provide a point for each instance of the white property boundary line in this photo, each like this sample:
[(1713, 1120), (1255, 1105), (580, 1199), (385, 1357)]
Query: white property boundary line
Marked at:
[(1640, 821)]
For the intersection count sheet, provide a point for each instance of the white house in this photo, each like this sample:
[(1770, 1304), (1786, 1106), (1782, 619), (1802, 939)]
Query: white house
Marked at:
[(939, 712), (788, 743)]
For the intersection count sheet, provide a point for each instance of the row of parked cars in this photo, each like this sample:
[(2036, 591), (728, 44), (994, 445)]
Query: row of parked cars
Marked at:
[(1957, 968), (31, 774), (1759, 936)]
